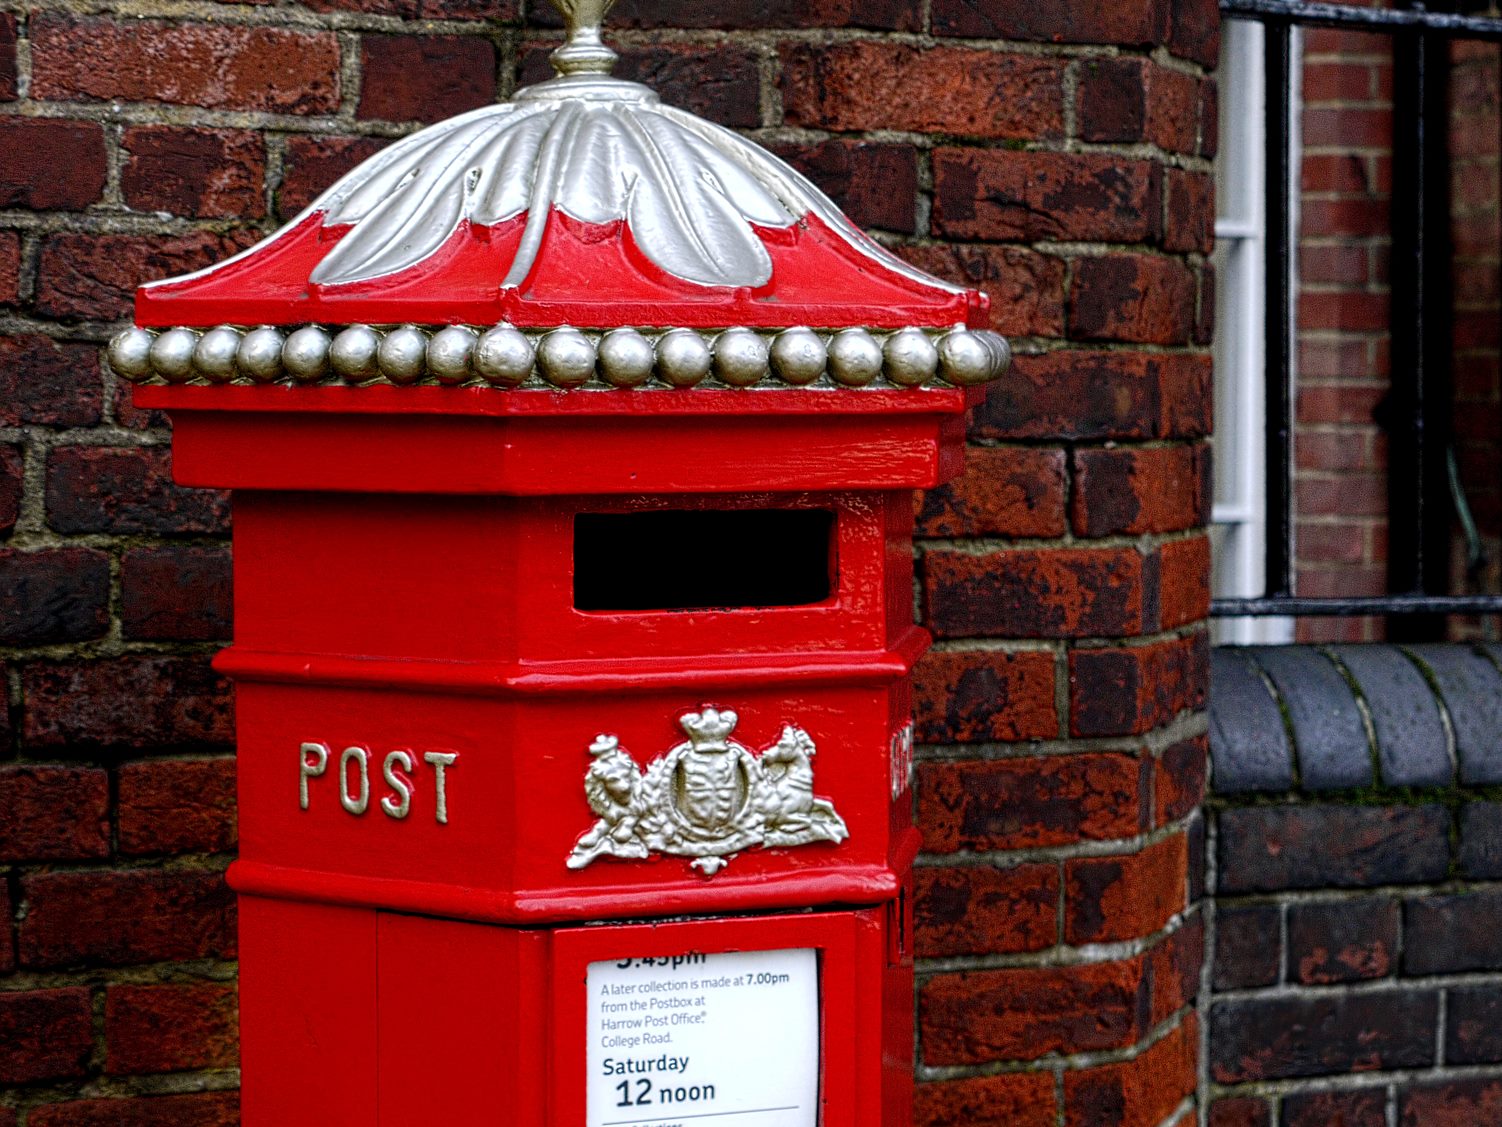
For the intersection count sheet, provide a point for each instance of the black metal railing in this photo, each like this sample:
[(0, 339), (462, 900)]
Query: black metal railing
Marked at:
[(1417, 414)]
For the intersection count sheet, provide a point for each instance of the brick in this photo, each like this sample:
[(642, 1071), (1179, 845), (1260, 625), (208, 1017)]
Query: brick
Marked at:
[(863, 85), (208, 173), (1032, 593), (963, 697), (1131, 100), (1261, 1038), (212, 66), (1366, 1107), (201, 1109), (1131, 690), (999, 194), (1183, 582), (7, 938), (176, 594), (1272, 848), (1248, 950), (1079, 395), (33, 149), (1141, 1092), (49, 382), (1179, 780), (1004, 491), (1126, 896), (10, 267), (7, 56), (984, 909), (1481, 840), (424, 77), (731, 15), (45, 1035), (1240, 1111), (177, 806), (127, 489), (53, 813), (1194, 31), (126, 702), (875, 185), (1457, 1103), (1012, 1099), (1135, 490), (1134, 298), (94, 277), (720, 83), (1189, 214), (1028, 803), (1342, 940), (118, 918), (1026, 1013), (53, 595), (12, 466), (169, 1028), (1174, 967), (311, 164), (1026, 288), (1447, 934), (1473, 1025), (1129, 23), (429, 9)]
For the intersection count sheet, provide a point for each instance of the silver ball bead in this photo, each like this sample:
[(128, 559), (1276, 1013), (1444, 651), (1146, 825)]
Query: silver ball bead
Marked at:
[(798, 356), (854, 358), (172, 355), (402, 353), (504, 356), (305, 355), (353, 353), (566, 357), (214, 357), (130, 353), (964, 357), (911, 358), (626, 358), (740, 357), (1001, 353), (683, 358), (449, 352), (260, 354)]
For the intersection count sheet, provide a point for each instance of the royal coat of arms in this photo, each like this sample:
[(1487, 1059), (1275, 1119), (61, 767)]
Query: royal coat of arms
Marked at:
[(708, 798)]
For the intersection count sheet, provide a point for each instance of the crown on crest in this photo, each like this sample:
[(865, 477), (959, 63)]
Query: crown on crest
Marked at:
[(708, 729)]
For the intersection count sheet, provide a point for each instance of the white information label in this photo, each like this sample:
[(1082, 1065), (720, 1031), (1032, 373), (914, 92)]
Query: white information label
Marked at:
[(701, 1040)]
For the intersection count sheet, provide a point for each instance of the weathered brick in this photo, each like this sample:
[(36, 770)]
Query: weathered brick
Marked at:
[(1189, 215), (984, 909), (45, 1035), (213, 66), (12, 466), (1183, 582), (169, 1028), (732, 15), (1029, 1012), (1366, 1107), (7, 56), (1025, 803), (311, 164), (1133, 689), (1271, 848), (177, 806), (721, 83), (1262, 1038), (497, 10), (1195, 31), (130, 702), (998, 194), (10, 268), (875, 185), (1174, 968), (50, 164), (1026, 288), (1454, 1103), (116, 918), (961, 696), (7, 936), (1481, 840), (1135, 298), (201, 1109), (1342, 940), (1130, 100), (53, 813), (212, 173), (1126, 896), (1032, 593), (1012, 1099), (425, 77), (175, 594), (1133, 490), (1179, 779), (1473, 1025), (126, 489), (1241, 1111), (1004, 491), (53, 595), (48, 382), (1127, 23), (94, 277), (1446, 934), (1248, 949), (1141, 1092), (871, 85)]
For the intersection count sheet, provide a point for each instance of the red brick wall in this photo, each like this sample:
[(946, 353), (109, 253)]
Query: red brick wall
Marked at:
[(1056, 155)]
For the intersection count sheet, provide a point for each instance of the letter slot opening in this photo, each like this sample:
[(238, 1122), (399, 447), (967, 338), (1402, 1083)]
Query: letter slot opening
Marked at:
[(703, 559)]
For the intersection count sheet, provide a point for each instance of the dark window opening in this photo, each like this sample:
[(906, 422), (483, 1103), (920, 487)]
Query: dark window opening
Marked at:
[(689, 559)]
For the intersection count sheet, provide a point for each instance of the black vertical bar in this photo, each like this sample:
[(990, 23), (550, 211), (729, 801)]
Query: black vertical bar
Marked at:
[(1277, 82)]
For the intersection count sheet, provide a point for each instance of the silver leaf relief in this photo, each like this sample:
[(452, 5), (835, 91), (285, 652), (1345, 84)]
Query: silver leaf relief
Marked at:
[(708, 798)]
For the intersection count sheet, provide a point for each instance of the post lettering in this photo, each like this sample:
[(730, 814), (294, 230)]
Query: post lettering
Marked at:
[(398, 767), (440, 761), (399, 785), (354, 804), (310, 769)]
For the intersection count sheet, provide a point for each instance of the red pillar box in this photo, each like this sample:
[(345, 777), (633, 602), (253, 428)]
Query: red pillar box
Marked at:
[(571, 662)]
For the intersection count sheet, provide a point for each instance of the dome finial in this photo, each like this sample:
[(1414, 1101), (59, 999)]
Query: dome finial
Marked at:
[(583, 52)]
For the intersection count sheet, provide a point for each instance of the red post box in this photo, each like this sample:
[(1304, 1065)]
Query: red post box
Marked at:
[(572, 443)]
